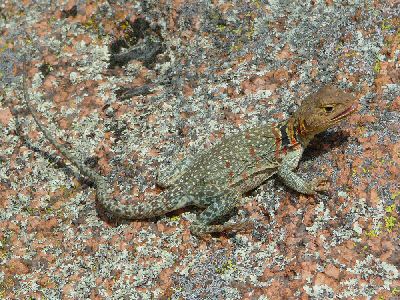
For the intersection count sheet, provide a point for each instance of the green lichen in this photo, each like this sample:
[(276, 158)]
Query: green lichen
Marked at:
[(5, 285), (228, 266), (352, 54), (390, 208), (395, 291), (390, 220), (257, 3), (395, 195), (52, 19), (390, 223), (377, 67), (386, 24), (3, 250), (175, 218), (221, 27), (372, 233), (91, 24), (365, 170)]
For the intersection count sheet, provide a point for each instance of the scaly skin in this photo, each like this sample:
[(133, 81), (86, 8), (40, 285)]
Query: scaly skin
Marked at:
[(218, 177)]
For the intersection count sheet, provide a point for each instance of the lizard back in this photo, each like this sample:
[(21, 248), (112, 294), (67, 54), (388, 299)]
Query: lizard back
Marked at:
[(241, 161)]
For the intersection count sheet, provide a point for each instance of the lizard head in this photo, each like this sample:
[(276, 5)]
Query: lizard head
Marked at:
[(322, 110)]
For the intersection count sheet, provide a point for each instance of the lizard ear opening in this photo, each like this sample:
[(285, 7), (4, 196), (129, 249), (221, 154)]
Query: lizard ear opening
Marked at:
[(328, 109)]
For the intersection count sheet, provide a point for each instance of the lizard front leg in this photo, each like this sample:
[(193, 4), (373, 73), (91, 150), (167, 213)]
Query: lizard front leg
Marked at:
[(298, 184), (218, 205), (292, 180)]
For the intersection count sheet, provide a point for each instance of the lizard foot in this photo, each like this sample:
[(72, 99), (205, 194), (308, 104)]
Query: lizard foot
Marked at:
[(320, 185)]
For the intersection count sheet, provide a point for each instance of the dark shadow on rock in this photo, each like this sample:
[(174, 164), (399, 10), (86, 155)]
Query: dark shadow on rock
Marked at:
[(325, 142), (141, 41), (124, 93), (57, 162), (145, 53)]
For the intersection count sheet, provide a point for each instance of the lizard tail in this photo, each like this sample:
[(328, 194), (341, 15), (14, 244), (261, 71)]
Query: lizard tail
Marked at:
[(166, 202)]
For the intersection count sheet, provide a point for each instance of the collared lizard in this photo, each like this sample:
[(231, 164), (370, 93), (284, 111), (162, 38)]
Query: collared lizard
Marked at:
[(217, 178)]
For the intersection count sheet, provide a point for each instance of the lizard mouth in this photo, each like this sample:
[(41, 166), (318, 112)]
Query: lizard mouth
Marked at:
[(345, 113)]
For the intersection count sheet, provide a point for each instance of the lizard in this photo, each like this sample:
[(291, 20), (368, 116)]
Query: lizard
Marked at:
[(217, 178)]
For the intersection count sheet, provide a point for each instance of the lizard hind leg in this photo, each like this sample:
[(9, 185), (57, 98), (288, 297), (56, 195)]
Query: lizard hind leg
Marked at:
[(221, 204)]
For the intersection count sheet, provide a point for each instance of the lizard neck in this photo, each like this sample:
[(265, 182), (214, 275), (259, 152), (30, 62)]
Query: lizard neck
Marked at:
[(296, 132), (289, 135)]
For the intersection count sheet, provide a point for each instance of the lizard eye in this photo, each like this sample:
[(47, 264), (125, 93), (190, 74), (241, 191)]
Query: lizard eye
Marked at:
[(328, 108)]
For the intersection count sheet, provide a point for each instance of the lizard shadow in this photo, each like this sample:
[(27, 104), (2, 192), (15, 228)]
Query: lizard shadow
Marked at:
[(325, 142), (115, 221), (52, 158), (322, 143)]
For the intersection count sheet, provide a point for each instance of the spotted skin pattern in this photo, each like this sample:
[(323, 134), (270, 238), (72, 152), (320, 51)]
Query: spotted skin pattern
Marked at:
[(217, 178)]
